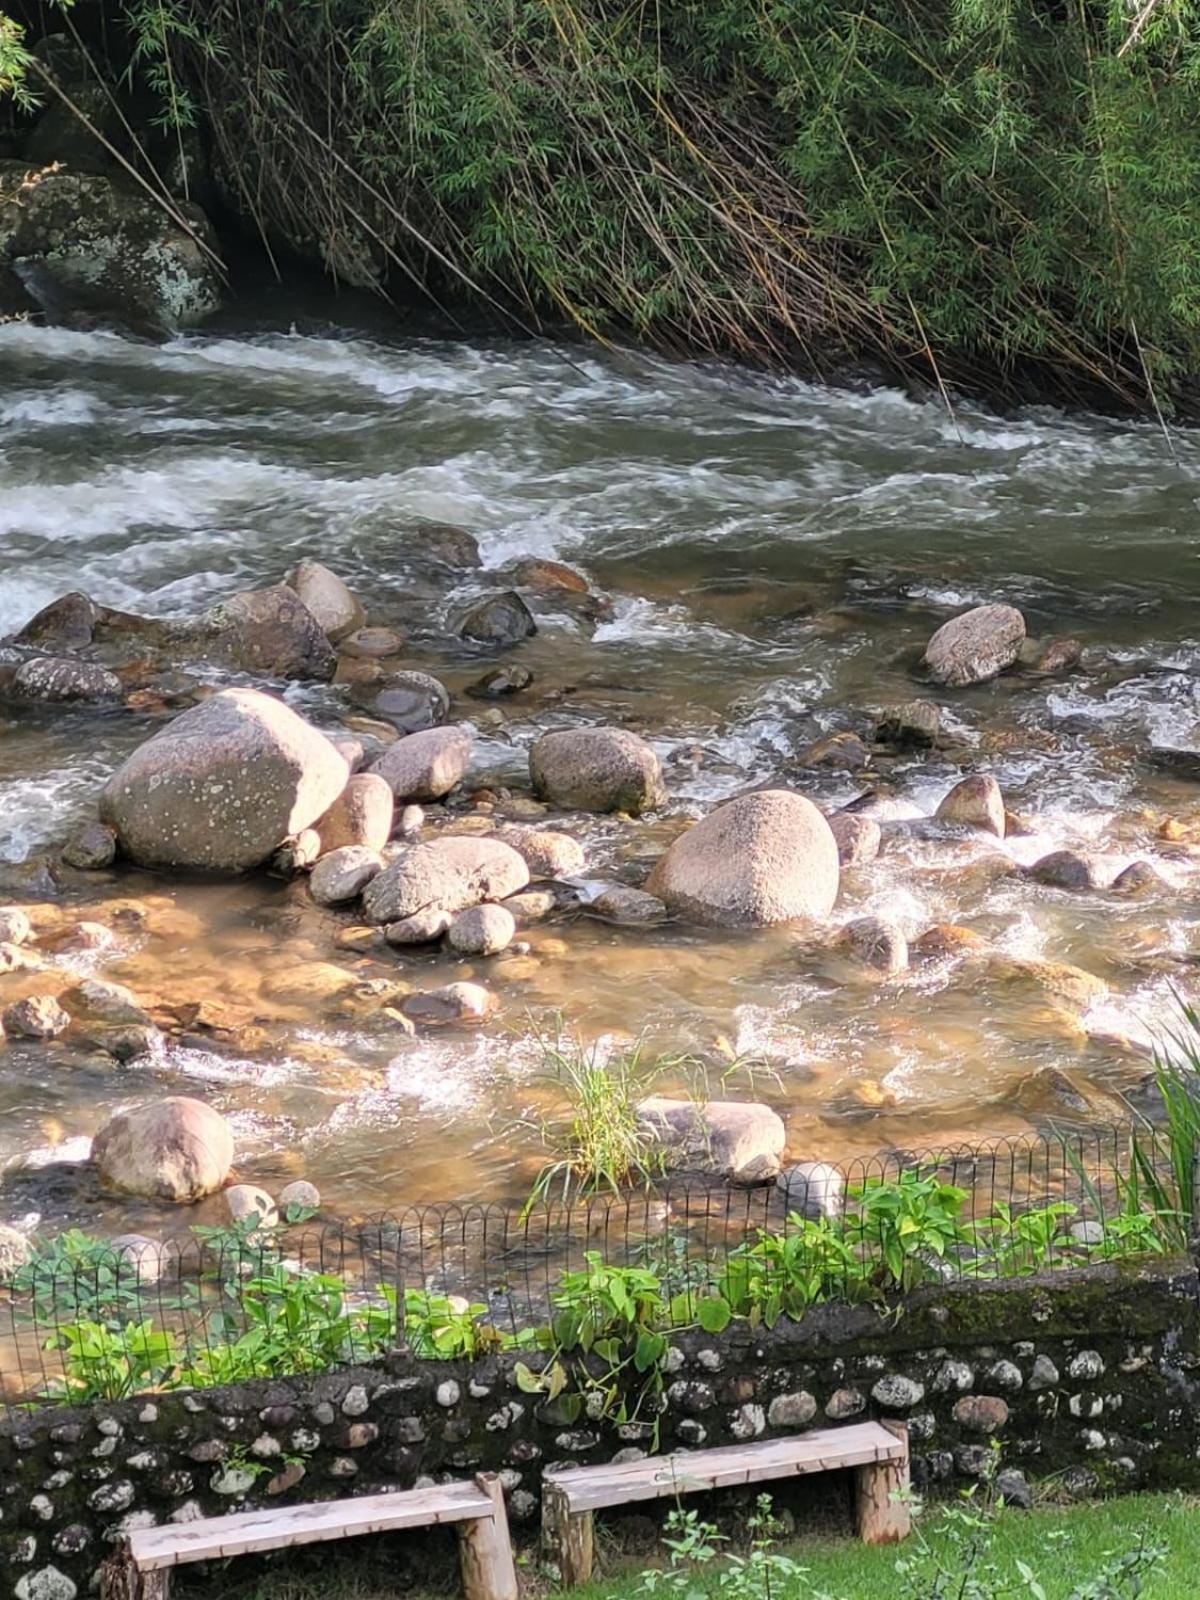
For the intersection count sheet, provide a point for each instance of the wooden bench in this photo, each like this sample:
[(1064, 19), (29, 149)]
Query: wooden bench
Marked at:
[(141, 1568), (878, 1450)]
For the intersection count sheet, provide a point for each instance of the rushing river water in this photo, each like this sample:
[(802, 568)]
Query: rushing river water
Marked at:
[(775, 556)]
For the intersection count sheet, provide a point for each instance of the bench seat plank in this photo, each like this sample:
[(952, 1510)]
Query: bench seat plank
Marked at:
[(248, 1532), (690, 1472)]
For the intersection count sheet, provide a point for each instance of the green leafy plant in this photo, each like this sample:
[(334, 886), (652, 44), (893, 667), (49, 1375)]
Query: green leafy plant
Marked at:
[(907, 1226), (105, 1363), (784, 1274), (1015, 1242)]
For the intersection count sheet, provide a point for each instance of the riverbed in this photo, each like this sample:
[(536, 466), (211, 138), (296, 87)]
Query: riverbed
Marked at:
[(770, 558)]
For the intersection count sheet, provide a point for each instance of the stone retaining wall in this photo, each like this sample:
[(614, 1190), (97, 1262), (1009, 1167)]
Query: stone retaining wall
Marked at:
[(1093, 1375)]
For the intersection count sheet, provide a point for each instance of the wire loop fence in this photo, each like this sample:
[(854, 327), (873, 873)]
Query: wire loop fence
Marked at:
[(86, 1319)]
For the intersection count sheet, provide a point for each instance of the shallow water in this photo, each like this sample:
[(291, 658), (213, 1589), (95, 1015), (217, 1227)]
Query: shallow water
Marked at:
[(776, 555)]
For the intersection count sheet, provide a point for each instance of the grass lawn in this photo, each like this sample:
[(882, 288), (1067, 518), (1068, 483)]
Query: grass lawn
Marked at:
[(1063, 1546)]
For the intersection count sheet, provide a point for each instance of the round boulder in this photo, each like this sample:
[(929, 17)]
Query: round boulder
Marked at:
[(249, 1204), (448, 874), (597, 769), (425, 766), (223, 785), (482, 931), (176, 1149), (763, 858), (975, 646), (327, 597), (547, 854), (15, 1251)]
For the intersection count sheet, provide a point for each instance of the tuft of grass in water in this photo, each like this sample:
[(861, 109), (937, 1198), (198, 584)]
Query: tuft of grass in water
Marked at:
[(599, 1144)]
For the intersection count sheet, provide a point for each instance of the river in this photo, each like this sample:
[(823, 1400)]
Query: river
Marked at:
[(774, 556)]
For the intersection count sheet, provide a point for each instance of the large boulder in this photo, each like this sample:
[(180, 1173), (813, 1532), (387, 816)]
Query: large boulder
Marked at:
[(447, 874), (67, 623), (223, 785), (176, 1149), (425, 766), (327, 597), (268, 631), (762, 858), (597, 769), (976, 646), (740, 1140), (81, 245)]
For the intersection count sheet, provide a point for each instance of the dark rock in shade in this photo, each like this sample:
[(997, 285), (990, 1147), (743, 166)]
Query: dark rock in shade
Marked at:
[(443, 543), (67, 623), (915, 725), (1068, 869), (501, 619), (838, 752), (268, 631), (410, 701), (977, 645), (1139, 878), (57, 680), (92, 848), (500, 682), (84, 246), (1013, 1488)]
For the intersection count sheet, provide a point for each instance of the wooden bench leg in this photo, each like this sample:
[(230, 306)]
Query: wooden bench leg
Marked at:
[(121, 1580), (485, 1550), (566, 1536), (881, 1496)]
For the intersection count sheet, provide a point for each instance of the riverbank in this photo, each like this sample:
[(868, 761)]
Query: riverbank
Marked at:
[(987, 200)]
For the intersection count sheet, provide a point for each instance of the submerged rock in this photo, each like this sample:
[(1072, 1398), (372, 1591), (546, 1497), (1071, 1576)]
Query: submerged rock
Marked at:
[(626, 906), (425, 766), (448, 874), (975, 646), (177, 1149), (82, 245), (223, 785), (1069, 869), (455, 1002), (337, 611), (739, 1140), (597, 769), (763, 858), (876, 944), (858, 838), (501, 619), (501, 682)]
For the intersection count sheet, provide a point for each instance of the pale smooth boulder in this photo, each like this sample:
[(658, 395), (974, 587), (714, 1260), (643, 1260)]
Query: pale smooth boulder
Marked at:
[(597, 769), (336, 609), (482, 931), (177, 1149), (427, 765), (548, 854), (740, 1140), (763, 858), (977, 645), (249, 1204), (361, 814), (447, 874), (223, 785), (343, 874), (15, 1251)]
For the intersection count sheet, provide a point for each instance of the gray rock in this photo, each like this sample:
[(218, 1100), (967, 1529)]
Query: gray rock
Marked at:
[(176, 1149), (813, 1189), (248, 1203), (1044, 1375), (844, 1403), (501, 682), (916, 725), (1013, 1488), (423, 928), (361, 815), (57, 680), (501, 619), (425, 766), (66, 624), (446, 874), (597, 769), (975, 646), (267, 631), (223, 785), (1068, 869), (327, 597), (625, 906), (411, 701), (875, 944), (343, 874), (858, 838), (895, 1392), (794, 1410), (455, 1002), (92, 848), (763, 858), (96, 1000), (38, 1016), (15, 1251), (481, 931), (299, 1196), (732, 1138), (546, 853), (80, 244)]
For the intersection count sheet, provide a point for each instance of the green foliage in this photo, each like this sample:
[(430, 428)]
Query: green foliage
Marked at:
[(105, 1363), (963, 187), (910, 1224)]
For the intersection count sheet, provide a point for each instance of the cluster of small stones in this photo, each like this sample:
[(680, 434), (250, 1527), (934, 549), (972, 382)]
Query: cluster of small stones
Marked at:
[(1108, 1410)]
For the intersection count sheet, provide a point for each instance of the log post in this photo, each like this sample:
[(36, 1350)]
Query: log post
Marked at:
[(566, 1536), (121, 1580), (881, 1496), (485, 1549)]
